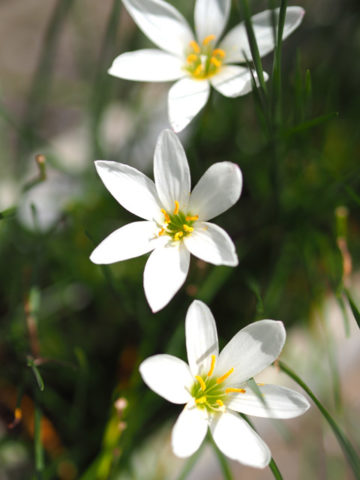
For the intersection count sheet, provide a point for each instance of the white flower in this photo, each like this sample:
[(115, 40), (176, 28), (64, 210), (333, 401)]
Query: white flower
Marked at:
[(214, 386), (196, 61), (176, 222)]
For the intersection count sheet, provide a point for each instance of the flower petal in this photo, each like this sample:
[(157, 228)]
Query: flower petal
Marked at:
[(171, 171), (216, 191), (234, 81), (278, 402), (165, 272), (186, 98), (211, 17), (212, 244), (131, 188), (201, 337), (162, 23), (167, 376), (251, 350), (129, 241), (147, 65), (189, 431), (238, 441), (236, 44)]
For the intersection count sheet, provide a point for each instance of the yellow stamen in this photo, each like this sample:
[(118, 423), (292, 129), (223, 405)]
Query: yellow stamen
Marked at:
[(187, 228), (215, 62), (234, 390), (162, 232), (18, 414), (208, 39), (224, 377), (220, 403), (260, 384), (178, 235), (219, 52), (198, 70), (201, 400), (192, 58), (194, 46), (202, 383), (176, 209), (192, 218), (166, 215), (212, 366)]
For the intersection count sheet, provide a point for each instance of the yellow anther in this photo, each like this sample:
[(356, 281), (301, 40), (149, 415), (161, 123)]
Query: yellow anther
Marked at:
[(18, 414), (162, 232), (215, 62), (235, 390), (176, 209), (219, 52), (198, 70), (194, 46), (260, 384), (192, 218), (202, 383), (166, 215), (187, 228), (201, 399), (208, 39), (220, 403), (224, 377), (192, 58), (178, 235), (212, 366)]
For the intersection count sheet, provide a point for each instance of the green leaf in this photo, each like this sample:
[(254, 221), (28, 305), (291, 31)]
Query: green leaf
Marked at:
[(310, 123), (37, 375), (348, 449), (353, 306)]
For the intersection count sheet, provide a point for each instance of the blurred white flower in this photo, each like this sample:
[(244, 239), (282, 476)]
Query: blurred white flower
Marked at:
[(176, 222), (213, 386), (196, 61)]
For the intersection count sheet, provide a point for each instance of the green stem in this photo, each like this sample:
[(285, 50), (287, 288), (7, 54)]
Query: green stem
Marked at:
[(190, 464), (348, 449), (222, 459), (39, 452)]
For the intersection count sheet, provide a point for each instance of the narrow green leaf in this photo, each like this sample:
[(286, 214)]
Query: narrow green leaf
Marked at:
[(37, 375), (39, 451), (348, 449), (213, 283), (353, 306), (191, 462), (345, 315), (352, 194), (310, 123), (221, 458)]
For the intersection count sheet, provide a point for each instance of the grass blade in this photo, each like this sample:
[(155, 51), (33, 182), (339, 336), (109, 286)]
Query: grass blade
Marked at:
[(353, 306), (348, 449)]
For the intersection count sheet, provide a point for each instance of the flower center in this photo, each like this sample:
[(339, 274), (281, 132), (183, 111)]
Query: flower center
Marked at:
[(204, 61), (177, 224), (209, 392)]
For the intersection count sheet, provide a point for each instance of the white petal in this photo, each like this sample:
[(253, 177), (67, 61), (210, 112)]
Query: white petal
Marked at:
[(129, 241), (236, 43), (186, 98), (189, 431), (234, 81), (167, 376), (164, 274), (216, 191), (201, 337), (211, 17), (278, 402), (162, 23), (251, 350), (171, 171), (212, 244), (238, 441), (131, 188), (148, 65)]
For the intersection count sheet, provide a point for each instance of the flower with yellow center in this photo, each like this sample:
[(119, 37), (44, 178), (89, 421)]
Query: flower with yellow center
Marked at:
[(197, 61), (175, 219), (215, 386)]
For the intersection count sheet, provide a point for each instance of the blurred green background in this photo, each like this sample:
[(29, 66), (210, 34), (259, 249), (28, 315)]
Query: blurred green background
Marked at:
[(82, 329)]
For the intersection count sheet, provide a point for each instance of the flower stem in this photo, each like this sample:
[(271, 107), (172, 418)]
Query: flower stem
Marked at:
[(348, 449), (222, 459), (190, 464)]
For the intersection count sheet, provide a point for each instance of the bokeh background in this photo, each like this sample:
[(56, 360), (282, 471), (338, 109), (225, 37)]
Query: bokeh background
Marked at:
[(72, 334)]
